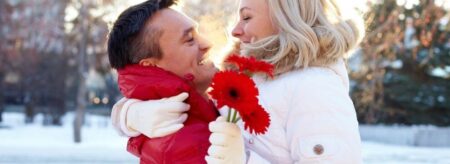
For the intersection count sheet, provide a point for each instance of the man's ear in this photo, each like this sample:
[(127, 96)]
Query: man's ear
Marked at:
[(148, 62)]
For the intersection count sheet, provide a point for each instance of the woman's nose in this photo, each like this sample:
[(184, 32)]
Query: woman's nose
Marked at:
[(237, 31)]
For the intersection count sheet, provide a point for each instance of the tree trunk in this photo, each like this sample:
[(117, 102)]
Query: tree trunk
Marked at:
[(1, 112), (59, 111), (2, 98), (2, 66), (82, 90), (80, 111), (29, 108), (58, 98)]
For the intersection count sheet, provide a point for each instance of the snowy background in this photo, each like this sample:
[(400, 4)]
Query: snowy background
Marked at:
[(50, 48), (20, 143)]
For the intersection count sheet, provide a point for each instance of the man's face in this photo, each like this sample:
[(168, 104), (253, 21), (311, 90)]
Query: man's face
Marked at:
[(184, 50)]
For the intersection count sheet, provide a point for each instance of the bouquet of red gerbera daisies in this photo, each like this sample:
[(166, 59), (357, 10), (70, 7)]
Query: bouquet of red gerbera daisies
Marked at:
[(238, 91)]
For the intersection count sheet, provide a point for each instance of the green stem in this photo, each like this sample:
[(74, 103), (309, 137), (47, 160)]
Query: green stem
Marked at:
[(239, 118), (229, 115), (234, 115)]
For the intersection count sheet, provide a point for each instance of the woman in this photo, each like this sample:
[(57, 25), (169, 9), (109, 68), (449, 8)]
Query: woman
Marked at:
[(313, 119)]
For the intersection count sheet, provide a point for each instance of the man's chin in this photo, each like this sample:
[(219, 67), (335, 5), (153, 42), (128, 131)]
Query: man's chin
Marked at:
[(209, 74), (209, 68)]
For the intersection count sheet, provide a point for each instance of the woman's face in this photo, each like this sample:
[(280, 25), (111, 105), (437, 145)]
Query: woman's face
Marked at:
[(254, 21)]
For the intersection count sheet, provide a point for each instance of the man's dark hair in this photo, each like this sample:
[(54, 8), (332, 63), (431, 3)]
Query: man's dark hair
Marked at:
[(128, 42)]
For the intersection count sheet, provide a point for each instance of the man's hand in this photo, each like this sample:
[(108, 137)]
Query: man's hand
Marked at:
[(158, 118), (227, 144)]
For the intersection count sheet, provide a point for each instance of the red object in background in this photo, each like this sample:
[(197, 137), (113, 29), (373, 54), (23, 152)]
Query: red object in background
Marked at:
[(188, 145)]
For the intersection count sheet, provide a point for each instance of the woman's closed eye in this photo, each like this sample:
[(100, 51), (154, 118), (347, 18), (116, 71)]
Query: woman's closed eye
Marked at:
[(246, 18)]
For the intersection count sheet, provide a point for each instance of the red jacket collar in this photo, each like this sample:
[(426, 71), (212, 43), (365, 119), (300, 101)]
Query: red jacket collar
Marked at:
[(150, 82)]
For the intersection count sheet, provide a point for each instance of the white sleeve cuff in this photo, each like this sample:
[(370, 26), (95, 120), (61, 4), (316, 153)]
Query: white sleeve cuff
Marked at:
[(123, 119), (115, 113)]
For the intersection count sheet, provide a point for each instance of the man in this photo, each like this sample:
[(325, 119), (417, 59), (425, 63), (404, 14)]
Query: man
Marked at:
[(159, 53)]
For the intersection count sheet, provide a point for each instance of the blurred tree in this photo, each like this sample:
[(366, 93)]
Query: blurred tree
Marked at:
[(404, 77), (2, 99), (82, 32), (24, 49), (88, 34), (2, 59), (46, 48)]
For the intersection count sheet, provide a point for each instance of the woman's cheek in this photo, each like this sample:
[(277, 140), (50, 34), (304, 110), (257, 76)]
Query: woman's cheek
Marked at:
[(249, 32)]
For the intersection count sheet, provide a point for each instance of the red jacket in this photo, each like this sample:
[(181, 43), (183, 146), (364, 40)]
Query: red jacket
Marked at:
[(188, 145)]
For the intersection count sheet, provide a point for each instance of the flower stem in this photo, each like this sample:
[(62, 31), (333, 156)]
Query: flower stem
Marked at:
[(239, 118), (234, 115), (229, 115)]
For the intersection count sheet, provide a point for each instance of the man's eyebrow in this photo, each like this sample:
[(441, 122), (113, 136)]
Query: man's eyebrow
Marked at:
[(189, 30)]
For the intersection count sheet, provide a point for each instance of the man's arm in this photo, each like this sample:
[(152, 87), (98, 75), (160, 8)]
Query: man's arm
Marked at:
[(118, 115), (153, 118)]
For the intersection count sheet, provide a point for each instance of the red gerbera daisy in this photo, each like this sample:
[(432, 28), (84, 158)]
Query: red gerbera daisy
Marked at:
[(238, 91), (240, 61), (250, 64), (257, 121), (235, 90)]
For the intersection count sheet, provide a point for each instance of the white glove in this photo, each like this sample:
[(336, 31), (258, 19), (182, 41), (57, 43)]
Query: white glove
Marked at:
[(158, 118), (227, 144)]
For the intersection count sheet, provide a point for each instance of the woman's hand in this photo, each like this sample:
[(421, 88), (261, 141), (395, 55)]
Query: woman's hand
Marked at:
[(158, 118), (227, 144)]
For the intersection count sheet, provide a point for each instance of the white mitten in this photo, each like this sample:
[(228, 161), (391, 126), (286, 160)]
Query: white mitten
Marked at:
[(227, 144), (158, 118)]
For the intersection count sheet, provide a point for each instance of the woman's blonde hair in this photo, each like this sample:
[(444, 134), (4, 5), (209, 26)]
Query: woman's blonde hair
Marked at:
[(311, 33)]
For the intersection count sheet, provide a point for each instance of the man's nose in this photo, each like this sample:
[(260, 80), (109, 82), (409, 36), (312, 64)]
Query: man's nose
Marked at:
[(205, 44)]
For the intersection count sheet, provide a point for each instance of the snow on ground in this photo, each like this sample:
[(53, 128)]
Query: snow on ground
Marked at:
[(35, 143), (377, 153), (20, 143)]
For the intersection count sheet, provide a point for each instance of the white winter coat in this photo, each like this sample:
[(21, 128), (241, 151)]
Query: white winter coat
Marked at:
[(313, 119)]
